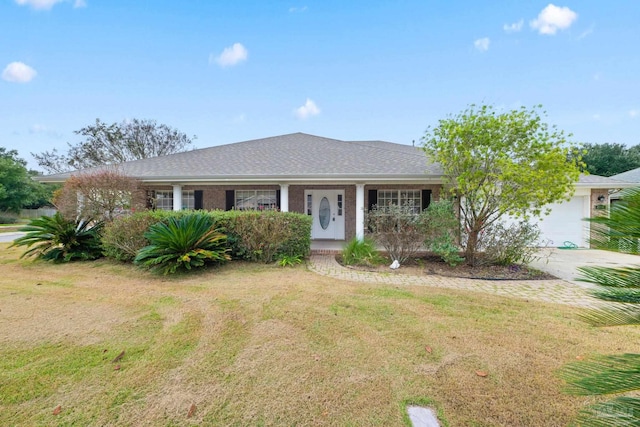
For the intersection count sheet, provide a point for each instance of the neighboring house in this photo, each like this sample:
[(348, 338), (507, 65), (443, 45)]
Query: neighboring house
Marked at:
[(629, 176), (331, 180)]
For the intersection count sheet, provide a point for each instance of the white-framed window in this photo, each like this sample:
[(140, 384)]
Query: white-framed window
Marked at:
[(412, 198), (256, 200), (164, 200), (188, 199)]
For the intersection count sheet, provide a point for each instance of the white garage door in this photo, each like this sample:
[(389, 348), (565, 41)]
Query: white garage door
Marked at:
[(564, 224)]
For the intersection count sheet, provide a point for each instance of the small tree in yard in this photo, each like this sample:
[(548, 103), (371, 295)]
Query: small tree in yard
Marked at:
[(397, 229), (100, 194), (501, 163)]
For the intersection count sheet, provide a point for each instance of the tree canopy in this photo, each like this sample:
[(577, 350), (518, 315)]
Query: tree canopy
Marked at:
[(610, 158), (500, 163), (115, 143), (17, 189)]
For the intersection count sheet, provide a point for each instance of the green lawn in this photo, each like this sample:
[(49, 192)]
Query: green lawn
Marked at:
[(260, 345)]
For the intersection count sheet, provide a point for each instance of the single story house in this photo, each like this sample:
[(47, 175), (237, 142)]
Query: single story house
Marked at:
[(331, 180), (629, 176)]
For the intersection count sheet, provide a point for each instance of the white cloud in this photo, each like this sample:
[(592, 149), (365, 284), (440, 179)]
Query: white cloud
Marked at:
[(38, 4), (586, 32), (596, 116), (309, 109), (513, 28), (41, 129), (231, 55), (553, 18), (297, 9), (482, 44), (239, 119), (18, 72), (634, 113), (48, 4)]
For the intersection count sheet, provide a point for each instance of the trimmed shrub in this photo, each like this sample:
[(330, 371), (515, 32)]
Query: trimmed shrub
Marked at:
[(183, 243), (263, 236), (361, 252), (251, 235), (124, 236), (60, 240)]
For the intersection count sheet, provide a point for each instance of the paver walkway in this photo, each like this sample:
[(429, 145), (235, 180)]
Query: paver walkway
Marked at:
[(555, 291)]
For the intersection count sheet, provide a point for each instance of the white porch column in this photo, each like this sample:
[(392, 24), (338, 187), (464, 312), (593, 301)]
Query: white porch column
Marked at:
[(284, 197), (360, 211), (177, 197)]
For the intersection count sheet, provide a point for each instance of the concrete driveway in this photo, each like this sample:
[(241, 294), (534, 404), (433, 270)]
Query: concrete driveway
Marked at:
[(10, 236), (564, 263)]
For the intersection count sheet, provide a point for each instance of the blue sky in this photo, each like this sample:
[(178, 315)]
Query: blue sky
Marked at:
[(354, 70)]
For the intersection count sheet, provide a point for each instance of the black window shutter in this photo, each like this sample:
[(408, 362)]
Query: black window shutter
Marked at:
[(230, 196), (426, 199), (278, 199), (197, 203), (373, 198)]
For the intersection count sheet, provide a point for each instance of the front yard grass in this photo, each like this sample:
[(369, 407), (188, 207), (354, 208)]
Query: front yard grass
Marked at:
[(250, 344)]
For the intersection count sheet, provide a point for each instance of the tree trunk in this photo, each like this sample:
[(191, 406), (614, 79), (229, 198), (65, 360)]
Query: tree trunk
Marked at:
[(470, 250)]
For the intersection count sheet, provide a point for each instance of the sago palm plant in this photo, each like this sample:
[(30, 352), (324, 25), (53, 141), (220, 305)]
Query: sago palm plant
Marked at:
[(60, 240), (617, 375), (183, 243)]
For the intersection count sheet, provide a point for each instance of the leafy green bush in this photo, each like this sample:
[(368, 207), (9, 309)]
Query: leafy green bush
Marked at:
[(361, 252), (510, 244), (61, 240), (447, 250), (262, 236), (440, 227), (397, 229), (8, 218), (124, 236), (183, 243)]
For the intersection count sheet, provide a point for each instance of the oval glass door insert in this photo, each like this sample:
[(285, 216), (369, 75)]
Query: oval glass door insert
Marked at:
[(324, 213)]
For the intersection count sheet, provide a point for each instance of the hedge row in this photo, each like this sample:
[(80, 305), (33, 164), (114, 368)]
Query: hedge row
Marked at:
[(251, 235)]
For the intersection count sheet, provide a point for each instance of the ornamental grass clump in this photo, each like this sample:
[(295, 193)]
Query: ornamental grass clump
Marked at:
[(182, 244)]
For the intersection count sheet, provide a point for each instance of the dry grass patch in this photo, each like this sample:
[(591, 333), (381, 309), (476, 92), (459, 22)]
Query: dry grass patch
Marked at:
[(259, 345)]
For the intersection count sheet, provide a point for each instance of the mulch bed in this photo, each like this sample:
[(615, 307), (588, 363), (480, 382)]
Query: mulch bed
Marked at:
[(428, 264)]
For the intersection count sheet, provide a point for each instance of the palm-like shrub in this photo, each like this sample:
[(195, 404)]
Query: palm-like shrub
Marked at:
[(361, 252), (183, 243), (613, 374), (61, 240)]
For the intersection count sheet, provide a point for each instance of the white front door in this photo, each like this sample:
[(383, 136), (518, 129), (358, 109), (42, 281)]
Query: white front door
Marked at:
[(327, 209)]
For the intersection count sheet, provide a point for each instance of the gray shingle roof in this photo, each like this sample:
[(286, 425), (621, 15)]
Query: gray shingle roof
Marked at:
[(291, 156), (597, 181), (630, 176)]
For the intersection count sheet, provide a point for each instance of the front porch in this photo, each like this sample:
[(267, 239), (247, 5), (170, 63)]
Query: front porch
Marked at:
[(327, 246)]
